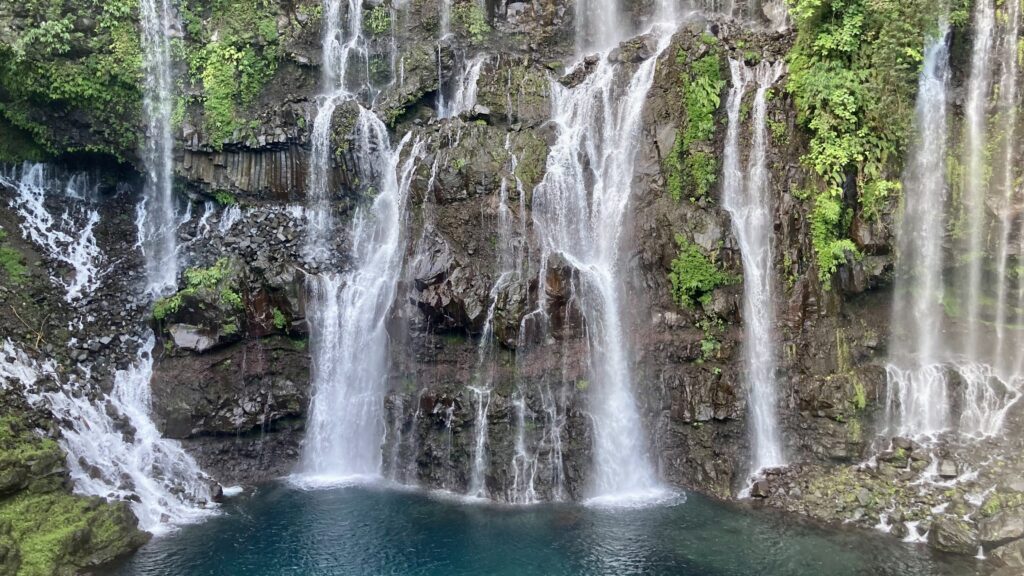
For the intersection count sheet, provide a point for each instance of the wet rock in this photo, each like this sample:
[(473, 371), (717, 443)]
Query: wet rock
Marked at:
[(948, 469), (952, 534), (760, 489), (188, 337), (1001, 528), (1010, 556)]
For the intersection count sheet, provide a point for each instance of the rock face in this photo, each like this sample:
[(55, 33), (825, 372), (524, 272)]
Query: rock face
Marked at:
[(232, 368)]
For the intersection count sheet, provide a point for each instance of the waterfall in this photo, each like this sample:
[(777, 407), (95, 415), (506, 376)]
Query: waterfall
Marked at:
[(510, 268), (464, 94), (746, 197), (976, 119), (598, 24), (158, 230), (917, 381), (343, 45), (162, 482), (348, 313), (477, 481), (68, 239), (579, 211), (1008, 102), (930, 375)]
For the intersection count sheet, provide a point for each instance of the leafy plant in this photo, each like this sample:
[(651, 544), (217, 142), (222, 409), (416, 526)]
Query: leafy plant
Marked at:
[(694, 276), (690, 165), (853, 76), (472, 21), (12, 262), (378, 20)]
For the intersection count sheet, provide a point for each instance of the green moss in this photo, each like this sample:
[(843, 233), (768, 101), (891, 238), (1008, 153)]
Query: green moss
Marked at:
[(204, 282), (52, 531), (166, 306), (860, 397), (229, 329), (48, 527), (225, 198), (280, 321), (694, 275), (11, 261)]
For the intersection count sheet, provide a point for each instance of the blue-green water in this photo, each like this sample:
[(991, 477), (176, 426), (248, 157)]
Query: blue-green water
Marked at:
[(367, 530)]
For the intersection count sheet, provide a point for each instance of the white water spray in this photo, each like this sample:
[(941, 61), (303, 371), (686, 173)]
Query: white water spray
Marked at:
[(67, 239), (579, 211), (158, 229), (163, 483), (746, 196)]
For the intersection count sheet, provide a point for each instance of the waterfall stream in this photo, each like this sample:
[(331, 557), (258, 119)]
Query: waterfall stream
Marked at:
[(579, 210), (158, 230), (746, 195), (917, 381), (348, 311), (349, 342), (967, 382), (68, 239)]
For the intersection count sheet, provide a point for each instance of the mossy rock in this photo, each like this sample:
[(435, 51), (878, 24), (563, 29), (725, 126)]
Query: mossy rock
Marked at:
[(44, 529)]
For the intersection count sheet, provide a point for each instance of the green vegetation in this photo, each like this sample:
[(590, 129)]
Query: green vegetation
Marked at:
[(694, 275), (713, 327), (471, 21), (84, 69), (208, 283), (11, 261), (225, 198), (232, 48), (691, 165), (853, 76), (378, 20), (45, 529), (280, 321)]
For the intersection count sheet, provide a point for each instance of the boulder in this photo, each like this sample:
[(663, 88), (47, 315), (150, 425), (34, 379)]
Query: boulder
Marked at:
[(1010, 556), (952, 534), (189, 337), (760, 489), (948, 469), (1004, 527)]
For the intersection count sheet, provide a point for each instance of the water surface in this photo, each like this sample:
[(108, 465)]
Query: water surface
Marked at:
[(281, 530)]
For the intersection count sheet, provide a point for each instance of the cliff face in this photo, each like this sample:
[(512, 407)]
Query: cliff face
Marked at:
[(232, 370)]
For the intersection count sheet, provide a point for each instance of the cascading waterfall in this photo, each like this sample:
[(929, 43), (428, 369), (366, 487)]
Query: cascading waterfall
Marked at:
[(464, 94), (158, 232), (343, 46), (926, 370), (68, 239), (162, 482), (598, 24), (975, 191), (579, 210), (745, 195), (348, 311), (917, 380)]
